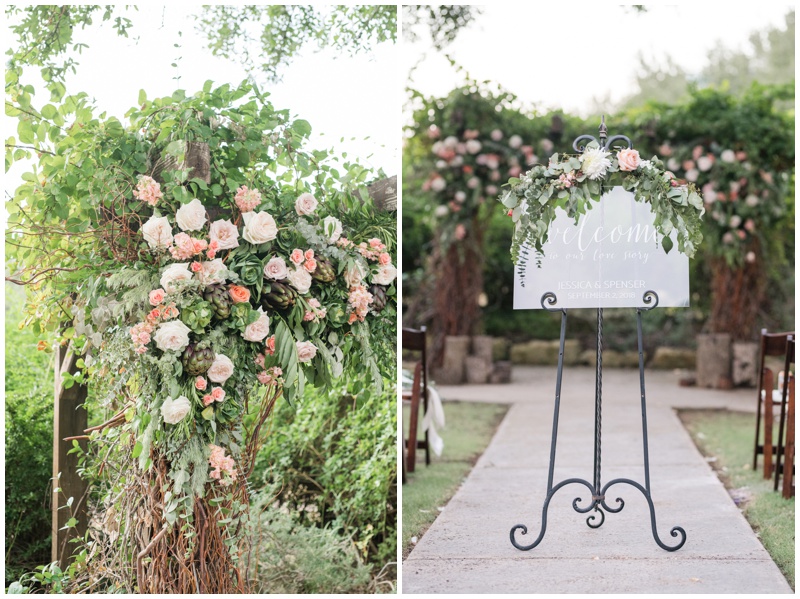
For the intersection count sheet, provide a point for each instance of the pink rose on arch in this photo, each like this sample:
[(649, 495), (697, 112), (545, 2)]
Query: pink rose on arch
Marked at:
[(384, 258), (628, 159), (200, 383), (276, 269), (460, 232), (218, 394), (297, 256), (310, 265), (309, 254), (157, 296), (306, 351)]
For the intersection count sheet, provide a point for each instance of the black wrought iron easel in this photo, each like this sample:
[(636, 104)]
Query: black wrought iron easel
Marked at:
[(598, 491)]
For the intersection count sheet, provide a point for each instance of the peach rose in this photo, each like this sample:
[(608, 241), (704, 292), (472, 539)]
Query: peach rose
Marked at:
[(310, 265), (157, 296), (200, 383), (218, 394), (384, 258), (239, 294), (297, 256), (628, 159)]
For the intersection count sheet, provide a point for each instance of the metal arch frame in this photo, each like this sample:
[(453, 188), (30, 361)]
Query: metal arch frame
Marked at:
[(598, 491)]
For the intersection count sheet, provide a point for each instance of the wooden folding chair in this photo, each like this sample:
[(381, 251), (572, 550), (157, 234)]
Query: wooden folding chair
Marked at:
[(784, 418), (788, 464), (772, 344), (414, 340)]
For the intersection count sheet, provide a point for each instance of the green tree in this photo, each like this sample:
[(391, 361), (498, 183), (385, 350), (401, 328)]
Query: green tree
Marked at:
[(443, 23)]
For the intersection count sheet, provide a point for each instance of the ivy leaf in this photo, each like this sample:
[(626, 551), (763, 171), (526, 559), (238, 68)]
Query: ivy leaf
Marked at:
[(666, 243)]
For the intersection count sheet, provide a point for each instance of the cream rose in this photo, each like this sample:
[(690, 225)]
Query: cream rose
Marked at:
[(259, 227), (213, 271), (191, 216), (628, 159), (332, 228), (305, 204), (173, 411), (258, 330), (353, 275), (276, 269), (306, 351), (172, 336), (174, 273), (225, 233), (221, 369), (157, 232), (385, 275), (300, 279)]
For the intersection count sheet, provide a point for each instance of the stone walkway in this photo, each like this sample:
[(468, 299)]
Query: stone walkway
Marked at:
[(467, 549)]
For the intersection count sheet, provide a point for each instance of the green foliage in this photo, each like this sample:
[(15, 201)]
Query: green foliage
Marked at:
[(331, 463), (28, 443), (269, 37), (292, 558), (443, 22)]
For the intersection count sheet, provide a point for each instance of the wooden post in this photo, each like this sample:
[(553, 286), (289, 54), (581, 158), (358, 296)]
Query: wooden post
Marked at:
[(69, 419), (384, 193)]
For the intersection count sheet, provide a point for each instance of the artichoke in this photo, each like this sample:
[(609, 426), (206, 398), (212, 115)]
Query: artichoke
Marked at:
[(217, 295), (379, 297), (280, 296), (324, 273), (197, 358)]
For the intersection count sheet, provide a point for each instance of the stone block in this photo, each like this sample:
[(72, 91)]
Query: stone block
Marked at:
[(670, 358), (501, 373), (745, 363), (714, 361), (478, 370), (448, 376), (483, 347)]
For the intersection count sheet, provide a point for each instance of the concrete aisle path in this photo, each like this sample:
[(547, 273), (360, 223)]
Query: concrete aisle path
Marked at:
[(467, 549)]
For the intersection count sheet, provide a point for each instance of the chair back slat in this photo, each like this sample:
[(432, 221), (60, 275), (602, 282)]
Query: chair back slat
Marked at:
[(413, 339)]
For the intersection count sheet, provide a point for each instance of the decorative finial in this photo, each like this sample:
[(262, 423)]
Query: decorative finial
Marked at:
[(603, 131)]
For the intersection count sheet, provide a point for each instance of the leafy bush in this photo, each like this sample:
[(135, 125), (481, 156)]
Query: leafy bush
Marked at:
[(330, 462), (291, 558), (29, 438)]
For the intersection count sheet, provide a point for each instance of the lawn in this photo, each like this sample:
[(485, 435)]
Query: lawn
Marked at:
[(726, 439), (470, 427)]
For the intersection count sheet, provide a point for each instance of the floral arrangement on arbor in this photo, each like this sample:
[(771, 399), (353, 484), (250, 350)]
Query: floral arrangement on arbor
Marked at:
[(199, 294), (571, 182)]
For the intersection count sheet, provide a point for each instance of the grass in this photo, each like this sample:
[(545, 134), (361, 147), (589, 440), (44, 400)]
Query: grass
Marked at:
[(470, 427), (728, 437)]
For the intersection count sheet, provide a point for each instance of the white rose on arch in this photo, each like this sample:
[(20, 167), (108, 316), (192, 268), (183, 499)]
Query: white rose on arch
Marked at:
[(332, 228), (305, 204), (259, 227), (385, 275), (221, 369), (157, 232), (355, 273), (306, 351), (258, 330), (174, 273), (276, 269), (300, 279), (175, 411), (191, 216), (225, 233), (172, 336), (213, 271)]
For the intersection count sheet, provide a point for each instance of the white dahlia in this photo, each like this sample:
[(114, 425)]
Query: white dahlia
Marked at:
[(595, 162)]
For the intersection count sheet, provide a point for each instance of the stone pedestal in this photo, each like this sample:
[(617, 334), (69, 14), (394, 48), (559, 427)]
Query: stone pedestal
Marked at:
[(714, 361), (745, 363), (501, 373), (478, 370)]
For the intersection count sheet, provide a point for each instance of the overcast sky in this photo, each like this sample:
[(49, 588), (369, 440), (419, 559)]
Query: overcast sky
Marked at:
[(560, 55)]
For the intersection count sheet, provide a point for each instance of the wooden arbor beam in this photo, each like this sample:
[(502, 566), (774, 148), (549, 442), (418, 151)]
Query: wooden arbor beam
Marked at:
[(69, 418)]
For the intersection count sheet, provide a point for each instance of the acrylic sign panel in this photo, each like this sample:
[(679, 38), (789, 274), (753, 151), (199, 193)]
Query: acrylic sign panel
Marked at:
[(608, 260)]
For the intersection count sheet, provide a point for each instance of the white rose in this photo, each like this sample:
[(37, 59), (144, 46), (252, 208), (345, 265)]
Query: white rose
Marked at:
[(300, 279), (175, 411), (728, 156), (174, 273), (305, 204), (473, 146), (385, 275), (191, 216), (214, 271), (332, 227), (515, 141), (704, 163), (258, 330), (259, 227), (276, 269), (225, 233), (221, 369), (353, 275), (172, 336), (306, 351), (157, 232), (441, 210), (438, 184), (692, 174)]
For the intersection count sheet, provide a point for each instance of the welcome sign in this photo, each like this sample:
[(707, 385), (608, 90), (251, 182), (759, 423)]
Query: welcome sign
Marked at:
[(609, 259)]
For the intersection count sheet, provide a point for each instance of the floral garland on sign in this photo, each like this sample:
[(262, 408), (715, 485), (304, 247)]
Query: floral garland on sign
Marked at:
[(573, 181)]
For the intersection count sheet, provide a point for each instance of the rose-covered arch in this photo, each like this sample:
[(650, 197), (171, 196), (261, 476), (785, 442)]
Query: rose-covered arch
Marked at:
[(199, 300)]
